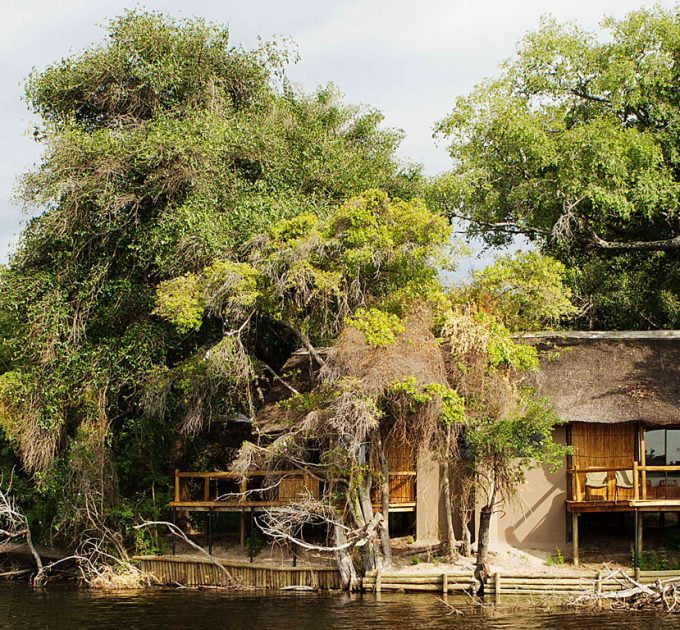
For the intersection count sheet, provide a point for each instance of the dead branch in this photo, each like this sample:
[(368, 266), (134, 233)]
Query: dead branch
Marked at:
[(176, 531), (663, 594), (14, 524)]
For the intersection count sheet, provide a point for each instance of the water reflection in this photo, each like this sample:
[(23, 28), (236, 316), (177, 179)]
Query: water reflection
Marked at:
[(60, 606)]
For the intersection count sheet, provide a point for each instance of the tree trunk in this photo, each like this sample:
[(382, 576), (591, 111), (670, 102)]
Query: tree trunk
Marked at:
[(348, 574), (483, 541), (482, 570), (385, 493), (369, 549), (450, 534), (446, 485), (466, 543)]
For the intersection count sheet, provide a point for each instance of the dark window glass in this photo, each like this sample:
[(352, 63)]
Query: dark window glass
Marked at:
[(673, 447), (655, 447)]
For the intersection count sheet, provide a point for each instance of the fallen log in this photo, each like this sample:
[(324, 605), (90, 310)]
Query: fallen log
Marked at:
[(22, 549)]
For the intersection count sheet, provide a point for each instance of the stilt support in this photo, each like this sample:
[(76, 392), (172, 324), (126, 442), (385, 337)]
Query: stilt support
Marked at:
[(574, 537), (251, 542), (638, 539), (210, 541), (174, 522)]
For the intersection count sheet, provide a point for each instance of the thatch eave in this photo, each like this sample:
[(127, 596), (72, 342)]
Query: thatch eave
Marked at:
[(610, 377)]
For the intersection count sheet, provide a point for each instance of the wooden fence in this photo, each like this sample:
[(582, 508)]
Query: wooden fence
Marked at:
[(441, 582), (194, 572)]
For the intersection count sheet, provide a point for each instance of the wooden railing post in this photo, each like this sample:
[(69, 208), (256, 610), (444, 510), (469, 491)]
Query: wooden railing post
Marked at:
[(177, 491), (243, 487), (497, 587), (206, 489), (636, 481)]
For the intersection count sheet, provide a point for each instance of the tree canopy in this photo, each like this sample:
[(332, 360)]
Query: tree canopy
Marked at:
[(576, 145), (166, 149), (199, 220)]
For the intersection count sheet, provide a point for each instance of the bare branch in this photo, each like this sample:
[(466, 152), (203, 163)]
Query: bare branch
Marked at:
[(176, 531)]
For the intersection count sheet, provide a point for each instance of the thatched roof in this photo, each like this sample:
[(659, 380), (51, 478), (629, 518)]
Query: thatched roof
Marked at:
[(300, 372), (415, 354), (609, 377)]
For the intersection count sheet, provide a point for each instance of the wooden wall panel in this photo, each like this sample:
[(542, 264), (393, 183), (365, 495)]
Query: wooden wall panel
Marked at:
[(603, 444)]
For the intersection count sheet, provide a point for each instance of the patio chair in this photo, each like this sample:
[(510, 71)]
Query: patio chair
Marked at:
[(624, 484), (596, 486)]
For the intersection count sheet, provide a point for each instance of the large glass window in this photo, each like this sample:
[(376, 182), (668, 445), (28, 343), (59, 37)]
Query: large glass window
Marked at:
[(662, 448)]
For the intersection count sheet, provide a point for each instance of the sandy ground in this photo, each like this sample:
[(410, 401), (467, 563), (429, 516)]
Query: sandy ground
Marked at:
[(508, 561)]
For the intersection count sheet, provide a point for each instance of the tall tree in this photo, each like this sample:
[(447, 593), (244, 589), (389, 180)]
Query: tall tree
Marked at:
[(576, 145), (166, 149)]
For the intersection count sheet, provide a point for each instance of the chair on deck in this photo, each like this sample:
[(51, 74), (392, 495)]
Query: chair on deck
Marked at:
[(624, 484), (596, 486)]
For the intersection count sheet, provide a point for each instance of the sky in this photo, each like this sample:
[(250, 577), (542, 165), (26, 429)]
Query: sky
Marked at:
[(408, 58)]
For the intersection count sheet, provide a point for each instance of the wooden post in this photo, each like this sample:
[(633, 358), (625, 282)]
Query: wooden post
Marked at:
[(638, 536), (445, 584), (243, 528), (577, 484), (497, 587), (378, 581), (636, 481), (598, 583), (174, 522), (251, 544), (177, 492), (643, 459), (574, 537), (210, 532), (206, 489)]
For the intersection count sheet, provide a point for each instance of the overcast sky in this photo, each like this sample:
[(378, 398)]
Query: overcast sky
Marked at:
[(409, 58)]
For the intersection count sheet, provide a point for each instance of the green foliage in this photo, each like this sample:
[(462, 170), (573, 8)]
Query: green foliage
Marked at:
[(379, 328), (656, 561), (359, 263), (555, 560), (506, 447), (576, 146), (527, 290), (225, 289), (453, 404), (166, 151), (502, 349), (179, 301)]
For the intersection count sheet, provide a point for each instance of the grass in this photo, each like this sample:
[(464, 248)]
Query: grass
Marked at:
[(554, 560)]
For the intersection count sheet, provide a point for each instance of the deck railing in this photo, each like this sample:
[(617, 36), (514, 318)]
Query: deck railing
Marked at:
[(258, 489), (645, 487), (271, 488)]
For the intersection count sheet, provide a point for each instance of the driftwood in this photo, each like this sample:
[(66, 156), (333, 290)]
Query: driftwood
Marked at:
[(432, 550), (663, 594)]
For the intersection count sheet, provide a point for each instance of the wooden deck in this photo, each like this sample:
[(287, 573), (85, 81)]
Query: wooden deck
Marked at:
[(649, 505), (217, 491), (640, 495)]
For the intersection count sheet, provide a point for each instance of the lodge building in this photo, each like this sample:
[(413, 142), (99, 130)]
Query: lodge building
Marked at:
[(618, 395)]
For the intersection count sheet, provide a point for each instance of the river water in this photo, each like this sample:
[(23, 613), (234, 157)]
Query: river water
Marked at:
[(63, 606)]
